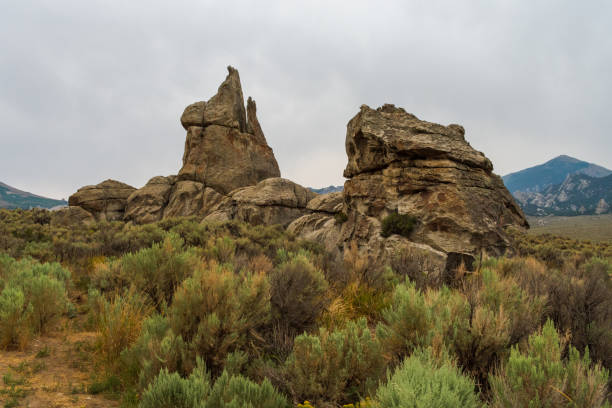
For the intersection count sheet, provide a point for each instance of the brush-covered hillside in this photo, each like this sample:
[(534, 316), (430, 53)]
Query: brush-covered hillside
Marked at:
[(184, 313)]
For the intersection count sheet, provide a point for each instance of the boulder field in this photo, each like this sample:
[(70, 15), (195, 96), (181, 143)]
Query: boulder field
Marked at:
[(397, 164)]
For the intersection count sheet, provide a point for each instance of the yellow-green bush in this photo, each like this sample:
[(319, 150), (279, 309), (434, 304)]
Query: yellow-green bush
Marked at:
[(15, 316), (539, 377), (199, 391), (422, 381), (335, 367), (218, 311), (119, 321), (409, 321), (33, 298), (499, 315)]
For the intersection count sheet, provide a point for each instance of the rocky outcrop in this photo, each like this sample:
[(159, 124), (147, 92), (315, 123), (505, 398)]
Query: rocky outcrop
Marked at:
[(225, 159), (147, 204), (105, 201), (271, 201), (400, 164), (224, 149), (331, 203), (396, 164)]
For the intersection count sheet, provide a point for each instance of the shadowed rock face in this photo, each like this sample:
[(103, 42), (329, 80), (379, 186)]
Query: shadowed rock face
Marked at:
[(105, 201), (271, 201), (147, 204)]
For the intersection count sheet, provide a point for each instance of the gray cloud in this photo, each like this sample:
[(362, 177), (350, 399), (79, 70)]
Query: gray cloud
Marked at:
[(94, 89)]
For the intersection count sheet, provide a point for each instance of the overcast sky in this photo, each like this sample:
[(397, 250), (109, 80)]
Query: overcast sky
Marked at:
[(91, 90)]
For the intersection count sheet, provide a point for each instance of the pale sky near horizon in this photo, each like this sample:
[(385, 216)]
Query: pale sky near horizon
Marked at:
[(91, 90)]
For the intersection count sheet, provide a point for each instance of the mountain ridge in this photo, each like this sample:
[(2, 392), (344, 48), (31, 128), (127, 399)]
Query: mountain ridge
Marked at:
[(539, 177), (563, 186), (13, 198)]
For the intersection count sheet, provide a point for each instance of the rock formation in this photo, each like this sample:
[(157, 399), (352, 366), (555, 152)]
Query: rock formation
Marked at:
[(396, 164), (224, 150), (105, 201), (147, 204), (271, 201)]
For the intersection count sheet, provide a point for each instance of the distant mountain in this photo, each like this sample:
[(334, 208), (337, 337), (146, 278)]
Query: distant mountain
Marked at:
[(12, 198), (538, 178), (578, 194), (325, 190)]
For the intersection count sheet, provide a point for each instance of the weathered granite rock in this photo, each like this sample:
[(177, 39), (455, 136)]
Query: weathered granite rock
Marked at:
[(185, 199), (69, 216), (105, 201), (223, 149), (377, 138), (400, 163), (147, 204), (271, 201), (319, 227), (226, 108), (253, 126), (329, 203), (225, 159), (193, 115)]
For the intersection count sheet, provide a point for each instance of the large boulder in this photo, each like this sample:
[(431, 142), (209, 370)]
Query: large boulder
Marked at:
[(224, 149), (398, 163), (105, 201), (147, 204), (226, 108), (271, 201)]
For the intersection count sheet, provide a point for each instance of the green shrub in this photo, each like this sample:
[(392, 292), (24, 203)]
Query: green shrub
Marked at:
[(335, 367), (408, 323), (539, 377), (47, 296), (119, 322), (157, 347), (578, 299), (422, 381), (218, 311), (223, 249), (15, 316), (499, 314), (228, 391), (395, 223), (43, 287), (235, 391), (159, 270), (298, 292), (340, 218), (170, 390)]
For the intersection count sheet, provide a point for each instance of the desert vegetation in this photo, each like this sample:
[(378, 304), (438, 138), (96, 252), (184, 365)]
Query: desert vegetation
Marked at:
[(192, 314)]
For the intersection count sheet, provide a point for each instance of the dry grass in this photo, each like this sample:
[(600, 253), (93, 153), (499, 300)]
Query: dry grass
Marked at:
[(54, 371), (591, 227)]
